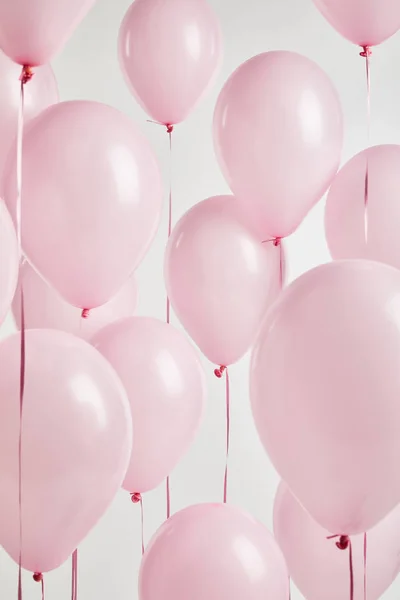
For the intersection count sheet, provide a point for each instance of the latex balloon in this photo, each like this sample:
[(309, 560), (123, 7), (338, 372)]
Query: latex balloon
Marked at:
[(324, 388), (213, 551), (278, 113), (31, 33), (91, 202), (165, 384), (76, 443), (345, 208), (9, 261), (38, 95), (321, 570), (363, 23), (45, 309), (220, 279), (169, 52)]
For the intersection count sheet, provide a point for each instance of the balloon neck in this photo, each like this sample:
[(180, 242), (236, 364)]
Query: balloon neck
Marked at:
[(366, 51), (26, 74), (277, 241), (219, 372), (85, 313), (136, 498), (170, 128), (38, 577)]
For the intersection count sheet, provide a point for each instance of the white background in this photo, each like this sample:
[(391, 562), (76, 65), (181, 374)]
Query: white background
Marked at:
[(88, 69)]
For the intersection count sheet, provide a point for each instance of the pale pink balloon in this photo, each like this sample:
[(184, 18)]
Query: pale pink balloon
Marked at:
[(33, 31), (91, 200), (363, 23), (213, 552), (39, 94), (76, 443), (325, 391), (9, 261), (169, 51), (166, 389), (345, 207), (45, 309), (321, 570), (278, 133), (220, 279)]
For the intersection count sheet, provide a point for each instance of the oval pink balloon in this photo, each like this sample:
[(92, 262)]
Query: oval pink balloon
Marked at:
[(278, 113), (325, 392), (165, 384), (213, 551), (45, 309), (9, 261), (32, 32), (76, 443), (363, 23), (220, 279), (39, 94), (319, 569), (169, 52), (91, 202), (345, 207)]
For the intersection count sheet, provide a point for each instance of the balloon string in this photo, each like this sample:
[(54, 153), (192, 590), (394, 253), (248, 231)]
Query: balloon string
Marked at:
[(365, 566), (278, 242), (366, 53), (218, 373), (168, 494), (38, 577), (137, 499), (74, 576), (26, 75), (344, 543)]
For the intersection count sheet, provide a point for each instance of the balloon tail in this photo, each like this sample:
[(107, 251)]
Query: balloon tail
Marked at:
[(344, 543), (365, 566), (219, 373), (38, 577), (137, 499), (367, 53), (74, 575), (26, 75), (85, 314)]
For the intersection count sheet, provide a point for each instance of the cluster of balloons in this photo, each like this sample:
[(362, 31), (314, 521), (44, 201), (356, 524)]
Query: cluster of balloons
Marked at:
[(112, 400)]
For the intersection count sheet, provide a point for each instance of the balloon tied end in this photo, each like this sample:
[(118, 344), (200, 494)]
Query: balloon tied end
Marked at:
[(366, 52), (26, 74), (85, 313), (169, 127), (219, 372), (136, 498), (277, 241), (343, 541), (38, 577)]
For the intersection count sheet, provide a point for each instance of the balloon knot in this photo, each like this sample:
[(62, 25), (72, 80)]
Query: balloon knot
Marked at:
[(38, 577), (85, 313), (219, 372), (366, 52), (136, 497), (343, 543), (26, 74), (277, 241), (170, 128)]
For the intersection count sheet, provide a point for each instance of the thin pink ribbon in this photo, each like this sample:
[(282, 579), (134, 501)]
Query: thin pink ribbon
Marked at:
[(137, 499), (74, 575), (38, 577), (344, 543), (218, 373), (367, 53), (365, 566)]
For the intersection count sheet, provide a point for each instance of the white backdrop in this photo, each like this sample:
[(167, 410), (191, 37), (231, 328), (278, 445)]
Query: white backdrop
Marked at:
[(88, 69)]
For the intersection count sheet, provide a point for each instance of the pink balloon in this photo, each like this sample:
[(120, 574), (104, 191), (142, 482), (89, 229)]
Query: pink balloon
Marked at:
[(9, 261), (165, 384), (45, 309), (213, 552), (32, 32), (278, 113), (363, 23), (39, 94), (345, 207), (220, 279), (76, 443), (169, 52), (319, 569), (91, 201), (325, 392)]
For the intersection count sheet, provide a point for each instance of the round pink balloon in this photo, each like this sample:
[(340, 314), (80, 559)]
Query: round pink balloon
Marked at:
[(31, 32), (9, 261), (220, 279), (76, 443), (169, 52), (39, 94), (321, 570), (278, 114), (91, 202), (363, 23), (165, 384), (213, 551), (45, 309), (325, 391), (345, 207)]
